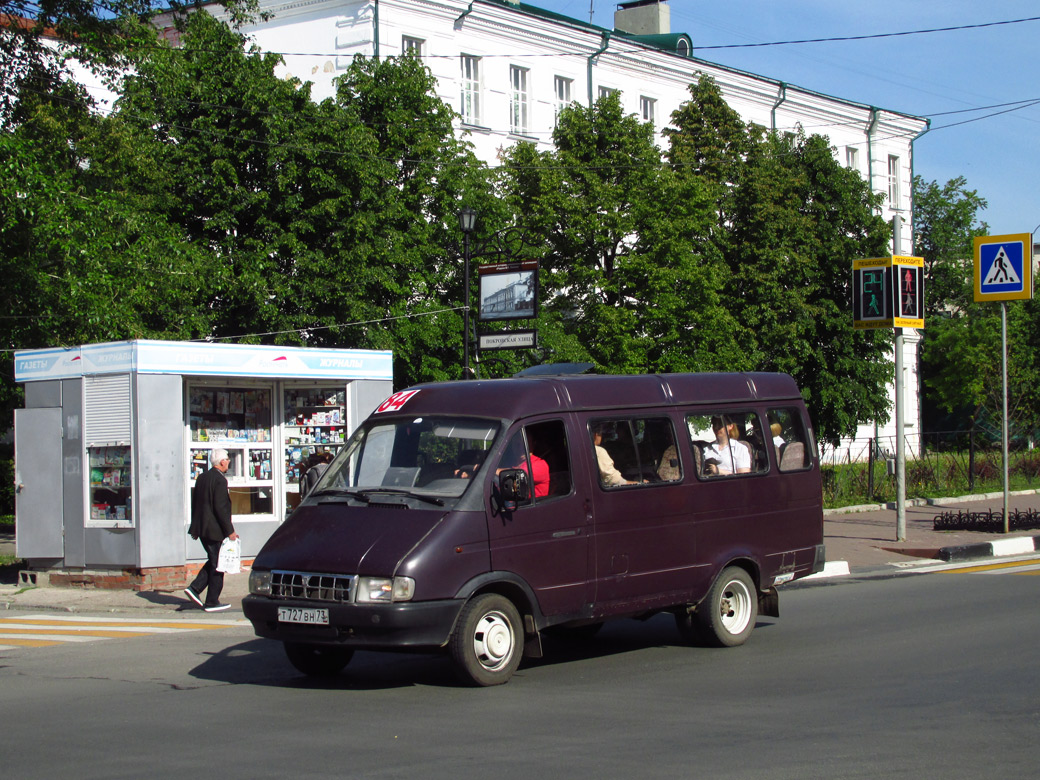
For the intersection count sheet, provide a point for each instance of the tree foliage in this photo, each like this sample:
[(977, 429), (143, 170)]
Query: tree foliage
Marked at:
[(946, 220), (961, 355), (790, 222), (624, 282), (220, 201)]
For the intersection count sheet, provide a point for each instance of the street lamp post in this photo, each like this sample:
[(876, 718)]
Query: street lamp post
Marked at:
[(467, 223)]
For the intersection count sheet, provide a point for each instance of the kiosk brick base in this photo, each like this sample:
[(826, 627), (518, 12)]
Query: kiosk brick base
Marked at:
[(169, 578)]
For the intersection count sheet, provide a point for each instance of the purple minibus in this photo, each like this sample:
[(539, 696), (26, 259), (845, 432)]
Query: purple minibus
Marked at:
[(474, 516)]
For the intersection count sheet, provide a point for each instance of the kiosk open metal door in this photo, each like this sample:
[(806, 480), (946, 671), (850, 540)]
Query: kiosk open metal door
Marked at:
[(38, 481)]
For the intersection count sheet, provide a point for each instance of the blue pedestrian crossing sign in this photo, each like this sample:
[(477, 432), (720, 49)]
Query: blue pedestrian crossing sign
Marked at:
[(1004, 267)]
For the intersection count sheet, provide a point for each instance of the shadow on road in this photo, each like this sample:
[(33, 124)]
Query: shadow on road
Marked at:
[(263, 661)]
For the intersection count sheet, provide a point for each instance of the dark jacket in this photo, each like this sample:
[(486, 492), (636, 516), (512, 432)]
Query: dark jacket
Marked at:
[(310, 479), (211, 508)]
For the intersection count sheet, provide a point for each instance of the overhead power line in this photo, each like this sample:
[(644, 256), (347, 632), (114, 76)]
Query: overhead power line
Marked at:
[(869, 37), (621, 46)]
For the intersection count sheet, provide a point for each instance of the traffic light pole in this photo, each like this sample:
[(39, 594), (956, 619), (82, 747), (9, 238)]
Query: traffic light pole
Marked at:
[(900, 448), (900, 412)]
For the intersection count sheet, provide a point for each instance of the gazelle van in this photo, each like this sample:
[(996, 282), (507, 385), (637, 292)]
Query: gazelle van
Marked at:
[(473, 516)]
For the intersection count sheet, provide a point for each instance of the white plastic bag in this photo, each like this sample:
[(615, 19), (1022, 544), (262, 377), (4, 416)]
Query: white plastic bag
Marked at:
[(229, 560)]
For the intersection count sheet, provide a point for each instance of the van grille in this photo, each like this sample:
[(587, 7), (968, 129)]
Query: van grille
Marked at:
[(315, 587)]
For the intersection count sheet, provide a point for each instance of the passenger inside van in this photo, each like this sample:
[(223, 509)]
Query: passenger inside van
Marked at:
[(726, 455), (608, 473)]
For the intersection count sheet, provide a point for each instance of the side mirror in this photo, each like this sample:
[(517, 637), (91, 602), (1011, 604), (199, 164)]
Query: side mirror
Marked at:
[(515, 487)]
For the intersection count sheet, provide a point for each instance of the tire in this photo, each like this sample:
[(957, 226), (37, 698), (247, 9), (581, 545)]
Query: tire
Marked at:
[(727, 615), (487, 643), (318, 660)]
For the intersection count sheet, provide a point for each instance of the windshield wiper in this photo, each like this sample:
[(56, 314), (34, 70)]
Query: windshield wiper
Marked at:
[(400, 492), (358, 494)]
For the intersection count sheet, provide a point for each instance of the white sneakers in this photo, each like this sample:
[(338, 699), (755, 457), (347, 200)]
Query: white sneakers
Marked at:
[(194, 597)]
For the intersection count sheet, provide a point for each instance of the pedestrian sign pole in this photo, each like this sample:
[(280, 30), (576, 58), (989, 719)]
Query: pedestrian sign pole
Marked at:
[(888, 292), (1004, 272)]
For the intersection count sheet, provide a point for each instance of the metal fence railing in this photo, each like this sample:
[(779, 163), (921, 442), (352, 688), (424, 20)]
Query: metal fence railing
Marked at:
[(937, 464)]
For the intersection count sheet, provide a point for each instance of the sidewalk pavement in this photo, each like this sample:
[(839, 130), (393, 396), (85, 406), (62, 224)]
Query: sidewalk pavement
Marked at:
[(859, 540)]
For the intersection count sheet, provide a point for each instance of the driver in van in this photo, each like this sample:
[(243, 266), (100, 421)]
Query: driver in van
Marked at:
[(539, 471), (723, 457)]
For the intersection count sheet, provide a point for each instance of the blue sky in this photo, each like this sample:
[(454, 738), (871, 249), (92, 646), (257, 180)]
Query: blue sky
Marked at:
[(928, 75)]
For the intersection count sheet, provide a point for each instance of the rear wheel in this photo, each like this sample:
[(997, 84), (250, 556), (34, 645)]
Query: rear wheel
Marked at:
[(727, 615), (318, 660), (488, 640)]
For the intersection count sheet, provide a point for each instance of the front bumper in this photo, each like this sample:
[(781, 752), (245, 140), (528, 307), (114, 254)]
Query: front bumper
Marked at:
[(404, 625)]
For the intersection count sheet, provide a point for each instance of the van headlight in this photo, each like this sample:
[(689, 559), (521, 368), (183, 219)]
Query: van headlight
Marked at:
[(260, 583), (384, 590)]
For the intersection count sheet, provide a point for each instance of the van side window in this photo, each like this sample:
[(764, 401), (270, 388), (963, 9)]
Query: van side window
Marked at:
[(540, 449), (789, 440), (727, 443), (635, 451)]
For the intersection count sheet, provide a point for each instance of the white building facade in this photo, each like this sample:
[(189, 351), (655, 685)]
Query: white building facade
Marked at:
[(507, 68)]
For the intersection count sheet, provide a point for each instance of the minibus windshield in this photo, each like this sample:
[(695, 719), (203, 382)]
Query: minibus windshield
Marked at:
[(419, 456)]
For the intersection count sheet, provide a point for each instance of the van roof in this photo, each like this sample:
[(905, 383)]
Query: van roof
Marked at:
[(517, 398)]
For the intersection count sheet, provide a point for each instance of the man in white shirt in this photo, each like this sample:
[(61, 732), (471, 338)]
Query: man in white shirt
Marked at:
[(724, 456)]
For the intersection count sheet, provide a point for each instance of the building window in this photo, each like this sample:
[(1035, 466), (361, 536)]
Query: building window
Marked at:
[(893, 182), (470, 108), (852, 158), (562, 87), (412, 46), (606, 92), (647, 107), (519, 102)]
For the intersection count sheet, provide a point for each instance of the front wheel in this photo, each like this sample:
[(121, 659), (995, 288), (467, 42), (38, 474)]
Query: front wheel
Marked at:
[(728, 613), (318, 660), (488, 640)]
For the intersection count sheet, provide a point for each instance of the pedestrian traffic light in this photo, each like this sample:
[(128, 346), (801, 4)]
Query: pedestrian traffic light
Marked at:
[(871, 296), (888, 292), (908, 281)]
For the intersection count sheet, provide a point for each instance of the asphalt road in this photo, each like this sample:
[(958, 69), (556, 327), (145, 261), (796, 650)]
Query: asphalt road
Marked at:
[(923, 676)]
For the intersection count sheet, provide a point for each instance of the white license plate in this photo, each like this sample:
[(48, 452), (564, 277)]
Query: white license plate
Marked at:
[(318, 617)]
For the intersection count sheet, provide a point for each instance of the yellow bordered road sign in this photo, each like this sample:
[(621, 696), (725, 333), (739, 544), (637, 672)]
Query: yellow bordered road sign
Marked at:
[(1004, 267)]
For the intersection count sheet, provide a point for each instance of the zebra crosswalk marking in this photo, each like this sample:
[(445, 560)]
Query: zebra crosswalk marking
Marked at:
[(1030, 567), (51, 630)]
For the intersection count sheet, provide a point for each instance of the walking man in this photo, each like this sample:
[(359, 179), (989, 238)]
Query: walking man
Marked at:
[(211, 524)]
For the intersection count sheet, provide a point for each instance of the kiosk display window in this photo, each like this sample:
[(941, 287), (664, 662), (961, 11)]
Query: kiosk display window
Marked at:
[(237, 419), (110, 485), (314, 422)]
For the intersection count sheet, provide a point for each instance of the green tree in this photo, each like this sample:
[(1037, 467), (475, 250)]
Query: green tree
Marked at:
[(800, 220), (961, 352), (945, 223), (790, 222), (324, 224), (83, 259), (624, 282)]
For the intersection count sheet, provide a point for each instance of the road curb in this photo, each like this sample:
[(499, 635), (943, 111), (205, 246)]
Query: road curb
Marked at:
[(847, 510), (1020, 545)]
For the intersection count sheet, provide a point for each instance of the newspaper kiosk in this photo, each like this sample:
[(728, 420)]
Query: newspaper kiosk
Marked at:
[(113, 435)]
